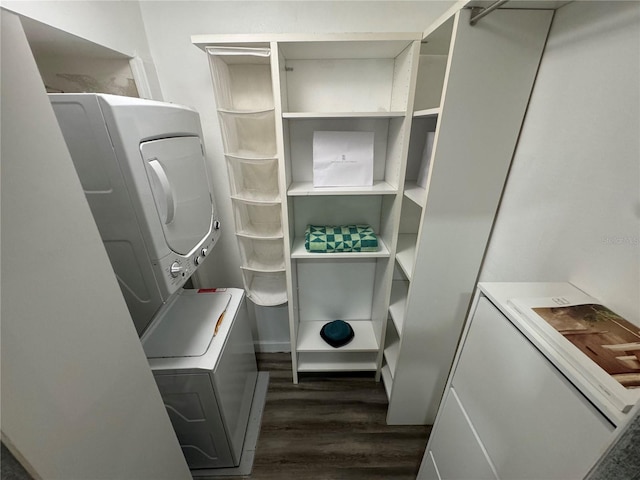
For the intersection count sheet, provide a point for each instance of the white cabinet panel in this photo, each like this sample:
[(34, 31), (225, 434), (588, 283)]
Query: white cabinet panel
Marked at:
[(465, 178), (428, 470), (456, 450), (193, 410), (531, 420)]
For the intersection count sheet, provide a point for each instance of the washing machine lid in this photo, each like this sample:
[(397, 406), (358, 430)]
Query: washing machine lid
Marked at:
[(177, 173), (187, 326)]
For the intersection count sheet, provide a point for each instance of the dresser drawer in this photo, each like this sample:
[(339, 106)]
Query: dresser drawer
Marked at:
[(457, 453), (428, 470)]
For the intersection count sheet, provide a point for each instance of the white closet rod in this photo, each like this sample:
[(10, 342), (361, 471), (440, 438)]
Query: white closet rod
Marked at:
[(256, 52), (478, 13)]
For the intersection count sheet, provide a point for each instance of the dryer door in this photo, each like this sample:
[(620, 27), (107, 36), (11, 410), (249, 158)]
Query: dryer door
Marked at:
[(177, 174)]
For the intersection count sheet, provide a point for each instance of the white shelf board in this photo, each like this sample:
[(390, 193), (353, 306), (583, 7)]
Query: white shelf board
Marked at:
[(249, 156), (347, 46), (415, 193), (364, 340), (398, 303), (294, 115), (320, 45), (253, 199), (406, 252), (298, 251), (256, 266), (247, 112), (391, 354), (387, 380), (320, 365), (429, 112), (255, 234), (379, 187)]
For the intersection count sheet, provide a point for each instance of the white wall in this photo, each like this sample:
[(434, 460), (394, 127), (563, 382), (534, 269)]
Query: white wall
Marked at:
[(184, 76), (70, 74), (113, 24), (571, 207), (78, 398)]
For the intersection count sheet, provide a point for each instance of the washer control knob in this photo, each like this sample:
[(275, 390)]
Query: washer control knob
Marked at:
[(204, 252), (175, 269), (216, 225), (197, 260)]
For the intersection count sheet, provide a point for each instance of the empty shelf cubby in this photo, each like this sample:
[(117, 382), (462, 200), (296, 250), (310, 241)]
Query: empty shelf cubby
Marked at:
[(249, 135), (258, 220), (241, 78), (260, 254), (254, 179), (265, 288)]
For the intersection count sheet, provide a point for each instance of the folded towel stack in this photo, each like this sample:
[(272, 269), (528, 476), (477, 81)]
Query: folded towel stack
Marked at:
[(346, 238)]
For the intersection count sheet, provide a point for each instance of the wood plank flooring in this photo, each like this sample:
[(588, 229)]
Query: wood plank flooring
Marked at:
[(331, 427), (328, 427)]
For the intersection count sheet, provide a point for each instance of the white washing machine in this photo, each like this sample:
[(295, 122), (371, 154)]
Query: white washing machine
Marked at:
[(207, 379)]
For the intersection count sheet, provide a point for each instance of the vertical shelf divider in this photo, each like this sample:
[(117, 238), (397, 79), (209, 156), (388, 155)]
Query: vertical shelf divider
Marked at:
[(474, 141)]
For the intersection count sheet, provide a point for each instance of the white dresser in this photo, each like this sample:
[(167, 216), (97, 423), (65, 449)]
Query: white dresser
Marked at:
[(512, 409)]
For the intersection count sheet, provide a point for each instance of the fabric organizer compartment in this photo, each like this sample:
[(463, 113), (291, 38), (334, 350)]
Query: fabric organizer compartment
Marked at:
[(249, 135), (257, 219), (344, 238), (241, 78), (253, 179), (262, 254), (265, 288)]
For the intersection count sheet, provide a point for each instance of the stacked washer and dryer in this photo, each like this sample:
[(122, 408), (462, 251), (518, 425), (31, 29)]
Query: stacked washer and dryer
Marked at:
[(142, 167)]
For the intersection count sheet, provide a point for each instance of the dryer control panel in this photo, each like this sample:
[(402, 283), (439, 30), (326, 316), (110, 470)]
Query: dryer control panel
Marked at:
[(176, 269)]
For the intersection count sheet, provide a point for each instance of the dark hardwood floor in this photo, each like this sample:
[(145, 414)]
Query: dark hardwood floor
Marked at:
[(328, 427), (331, 427)]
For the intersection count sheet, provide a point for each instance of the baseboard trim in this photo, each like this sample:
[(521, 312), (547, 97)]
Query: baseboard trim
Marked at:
[(272, 347)]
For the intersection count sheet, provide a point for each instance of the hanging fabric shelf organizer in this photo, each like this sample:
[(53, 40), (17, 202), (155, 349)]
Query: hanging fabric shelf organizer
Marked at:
[(244, 97)]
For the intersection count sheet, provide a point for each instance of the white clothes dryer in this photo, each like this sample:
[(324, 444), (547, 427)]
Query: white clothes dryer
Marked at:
[(143, 169)]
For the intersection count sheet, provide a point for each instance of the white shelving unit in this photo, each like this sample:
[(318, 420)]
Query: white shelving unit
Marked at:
[(473, 85), (469, 85), (354, 82), (359, 83)]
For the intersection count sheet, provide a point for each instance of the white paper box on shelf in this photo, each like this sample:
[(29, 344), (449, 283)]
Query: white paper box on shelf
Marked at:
[(342, 159)]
